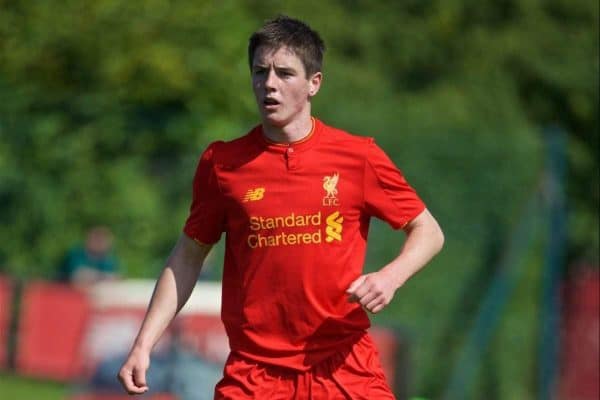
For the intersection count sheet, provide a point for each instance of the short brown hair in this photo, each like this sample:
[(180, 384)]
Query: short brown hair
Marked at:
[(294, 34)]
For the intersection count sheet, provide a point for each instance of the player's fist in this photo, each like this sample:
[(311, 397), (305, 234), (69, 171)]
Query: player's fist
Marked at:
[(373, 291), (133, 372)]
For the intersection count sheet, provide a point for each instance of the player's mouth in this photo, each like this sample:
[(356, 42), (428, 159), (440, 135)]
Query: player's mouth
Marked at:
[(270, 103)]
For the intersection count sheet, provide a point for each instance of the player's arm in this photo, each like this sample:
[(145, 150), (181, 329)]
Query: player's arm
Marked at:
[(172, 290), (424, 239)]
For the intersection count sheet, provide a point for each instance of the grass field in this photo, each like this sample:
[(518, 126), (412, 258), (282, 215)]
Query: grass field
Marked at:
[(18, 388)]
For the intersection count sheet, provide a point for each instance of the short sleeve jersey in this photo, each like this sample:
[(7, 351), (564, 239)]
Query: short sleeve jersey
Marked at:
[(296, 218)]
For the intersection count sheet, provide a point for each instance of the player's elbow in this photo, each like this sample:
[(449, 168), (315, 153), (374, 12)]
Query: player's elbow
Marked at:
[(436, 236), (439, 240), (426, 227)]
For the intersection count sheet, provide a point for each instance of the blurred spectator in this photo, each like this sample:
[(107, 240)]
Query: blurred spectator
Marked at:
[(92, 262)]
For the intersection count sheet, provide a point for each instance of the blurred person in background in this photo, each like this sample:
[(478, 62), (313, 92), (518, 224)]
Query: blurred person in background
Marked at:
[(294, 197), (91, 262)]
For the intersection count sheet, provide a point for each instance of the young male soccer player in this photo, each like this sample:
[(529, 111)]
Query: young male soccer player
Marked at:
[(294, 197)]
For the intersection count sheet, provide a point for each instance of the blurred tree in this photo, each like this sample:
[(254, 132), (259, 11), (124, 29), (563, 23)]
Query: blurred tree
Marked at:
[(105, 108), (106, 105)]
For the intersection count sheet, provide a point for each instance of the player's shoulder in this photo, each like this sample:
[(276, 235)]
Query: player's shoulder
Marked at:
[(342, 138), (227, 152)]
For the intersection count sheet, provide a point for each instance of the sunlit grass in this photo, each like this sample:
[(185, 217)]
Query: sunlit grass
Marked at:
[(14, 387)]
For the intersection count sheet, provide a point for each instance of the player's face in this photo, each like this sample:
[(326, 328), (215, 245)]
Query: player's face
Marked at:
[(281, 87)]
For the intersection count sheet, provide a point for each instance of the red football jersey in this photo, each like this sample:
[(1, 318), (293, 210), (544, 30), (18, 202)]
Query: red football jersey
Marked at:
[(296, 218)]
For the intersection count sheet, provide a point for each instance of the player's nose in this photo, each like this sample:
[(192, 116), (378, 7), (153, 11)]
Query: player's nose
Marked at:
[(270, 80)]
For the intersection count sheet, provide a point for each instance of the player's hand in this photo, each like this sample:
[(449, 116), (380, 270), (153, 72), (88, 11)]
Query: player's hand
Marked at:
[(373, 291), (133, 372)]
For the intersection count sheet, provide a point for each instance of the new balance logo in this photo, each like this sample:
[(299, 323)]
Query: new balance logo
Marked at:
[(254, 194), (334, 227)]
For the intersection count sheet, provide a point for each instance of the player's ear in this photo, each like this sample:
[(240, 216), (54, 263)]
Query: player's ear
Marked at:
[(314, 83)]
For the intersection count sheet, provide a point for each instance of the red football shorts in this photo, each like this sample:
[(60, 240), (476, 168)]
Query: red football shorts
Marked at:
[(354, 373)]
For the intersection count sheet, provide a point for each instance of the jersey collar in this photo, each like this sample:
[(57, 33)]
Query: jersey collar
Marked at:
[(301, 145)]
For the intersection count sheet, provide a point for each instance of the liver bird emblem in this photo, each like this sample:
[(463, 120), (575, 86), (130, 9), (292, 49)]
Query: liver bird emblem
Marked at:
[(330, 185)]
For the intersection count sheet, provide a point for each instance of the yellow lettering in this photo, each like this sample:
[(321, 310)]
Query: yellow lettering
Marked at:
[(269, 223), (289, 220), (305, 238), (279, 236), (316, 237), (254, 223), (262, 223), (316, 219), (291, 239), (328, 201), (262, 241), (252, 241)]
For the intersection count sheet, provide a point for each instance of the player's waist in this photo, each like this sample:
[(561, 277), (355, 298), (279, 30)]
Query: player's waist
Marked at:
[(299, 358)]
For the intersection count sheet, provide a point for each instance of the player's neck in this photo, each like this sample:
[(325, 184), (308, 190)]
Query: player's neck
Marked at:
[(293, 132)]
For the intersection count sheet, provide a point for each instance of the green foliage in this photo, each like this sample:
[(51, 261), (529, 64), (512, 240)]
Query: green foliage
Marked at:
[(105, 110), (19, 388), (106, 105)]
